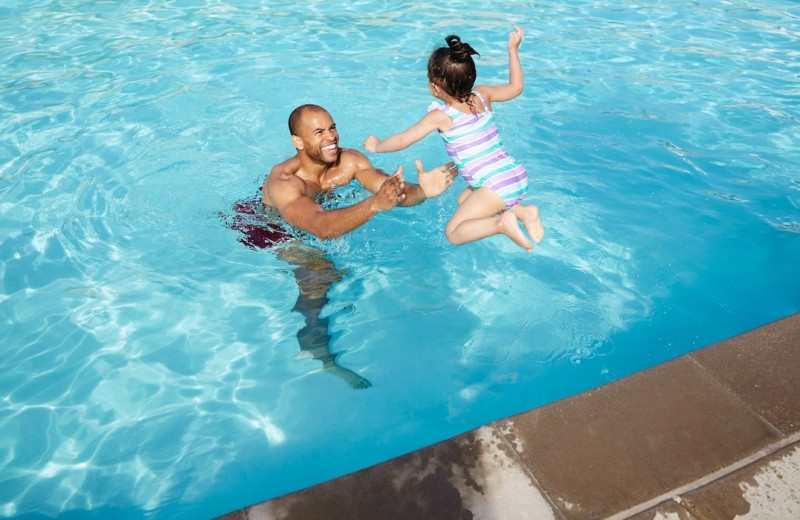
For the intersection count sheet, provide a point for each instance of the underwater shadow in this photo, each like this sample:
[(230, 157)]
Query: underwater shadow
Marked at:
[(314, 273)]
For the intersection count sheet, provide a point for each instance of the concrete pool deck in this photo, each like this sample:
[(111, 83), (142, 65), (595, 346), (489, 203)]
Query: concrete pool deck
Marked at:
[(713, 434)]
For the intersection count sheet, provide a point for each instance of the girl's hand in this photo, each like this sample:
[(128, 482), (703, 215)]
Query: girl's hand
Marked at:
[(515, 38), (371, 144)]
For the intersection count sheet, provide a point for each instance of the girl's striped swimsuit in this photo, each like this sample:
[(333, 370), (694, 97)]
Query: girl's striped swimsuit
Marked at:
[(473, 143)]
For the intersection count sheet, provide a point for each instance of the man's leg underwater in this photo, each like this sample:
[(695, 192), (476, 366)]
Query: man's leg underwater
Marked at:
[(315, 274)]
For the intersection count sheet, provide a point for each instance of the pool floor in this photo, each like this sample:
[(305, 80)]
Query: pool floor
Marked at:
[(712, 434)]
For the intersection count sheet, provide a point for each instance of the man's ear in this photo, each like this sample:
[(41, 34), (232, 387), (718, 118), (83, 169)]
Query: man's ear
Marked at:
[(297, 142)]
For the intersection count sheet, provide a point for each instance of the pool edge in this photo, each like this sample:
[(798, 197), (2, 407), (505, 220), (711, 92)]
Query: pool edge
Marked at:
[(698, 436)]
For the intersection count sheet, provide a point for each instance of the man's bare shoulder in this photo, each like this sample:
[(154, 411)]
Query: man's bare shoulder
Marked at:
[(351, 158), (283, 182), (349, 165), (285, 169)]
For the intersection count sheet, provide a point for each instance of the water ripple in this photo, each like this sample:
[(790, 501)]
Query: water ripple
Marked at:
[(148, 356)]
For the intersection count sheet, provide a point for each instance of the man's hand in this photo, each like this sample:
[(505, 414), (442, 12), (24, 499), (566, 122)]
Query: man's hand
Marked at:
[(436, 181), (390, 194)]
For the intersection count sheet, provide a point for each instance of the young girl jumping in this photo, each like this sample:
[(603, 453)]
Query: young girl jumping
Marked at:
[(497, 181)]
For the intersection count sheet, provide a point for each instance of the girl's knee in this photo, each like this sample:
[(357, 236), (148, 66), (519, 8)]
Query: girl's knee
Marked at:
[(449, 233)]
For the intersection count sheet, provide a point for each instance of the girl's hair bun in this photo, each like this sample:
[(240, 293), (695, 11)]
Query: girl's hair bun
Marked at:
[(459, 51)]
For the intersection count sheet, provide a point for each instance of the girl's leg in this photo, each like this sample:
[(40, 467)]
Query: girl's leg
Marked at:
[(529, 216), (477, 218), (464, 194)]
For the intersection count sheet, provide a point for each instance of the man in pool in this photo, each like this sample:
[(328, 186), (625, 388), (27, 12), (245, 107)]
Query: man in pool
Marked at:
[(292, 187), (320, 166)]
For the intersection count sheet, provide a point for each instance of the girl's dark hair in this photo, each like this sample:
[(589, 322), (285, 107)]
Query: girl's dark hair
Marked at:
[(452, 68)]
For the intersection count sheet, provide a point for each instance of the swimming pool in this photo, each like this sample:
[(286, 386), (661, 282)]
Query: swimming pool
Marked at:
[(150, 362)]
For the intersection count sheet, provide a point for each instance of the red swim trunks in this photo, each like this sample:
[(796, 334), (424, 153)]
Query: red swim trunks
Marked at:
[(258, 230)]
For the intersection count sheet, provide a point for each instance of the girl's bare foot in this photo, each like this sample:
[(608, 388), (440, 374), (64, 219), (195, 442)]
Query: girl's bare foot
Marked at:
[(529, 215), (509, 227)]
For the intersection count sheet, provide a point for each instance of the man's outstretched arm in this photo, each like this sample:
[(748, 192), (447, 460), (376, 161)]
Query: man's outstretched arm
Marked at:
[(301, 211)]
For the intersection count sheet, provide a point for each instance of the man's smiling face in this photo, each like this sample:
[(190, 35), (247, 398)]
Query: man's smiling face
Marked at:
[(318, 136)]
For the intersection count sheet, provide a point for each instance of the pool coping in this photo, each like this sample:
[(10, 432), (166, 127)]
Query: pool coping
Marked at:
[(714, 433)]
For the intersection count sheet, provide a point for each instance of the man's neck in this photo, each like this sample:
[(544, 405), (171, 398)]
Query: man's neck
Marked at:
[(312, 170)]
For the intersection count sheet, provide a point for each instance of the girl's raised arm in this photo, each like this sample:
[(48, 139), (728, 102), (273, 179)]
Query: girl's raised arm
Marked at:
[(515, 80)]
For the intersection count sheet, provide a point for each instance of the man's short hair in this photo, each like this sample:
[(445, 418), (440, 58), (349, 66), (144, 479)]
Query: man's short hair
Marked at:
[(297, 115)]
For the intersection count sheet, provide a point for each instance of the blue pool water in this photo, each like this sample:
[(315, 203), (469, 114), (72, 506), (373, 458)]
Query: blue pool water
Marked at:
[(150, 364)]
